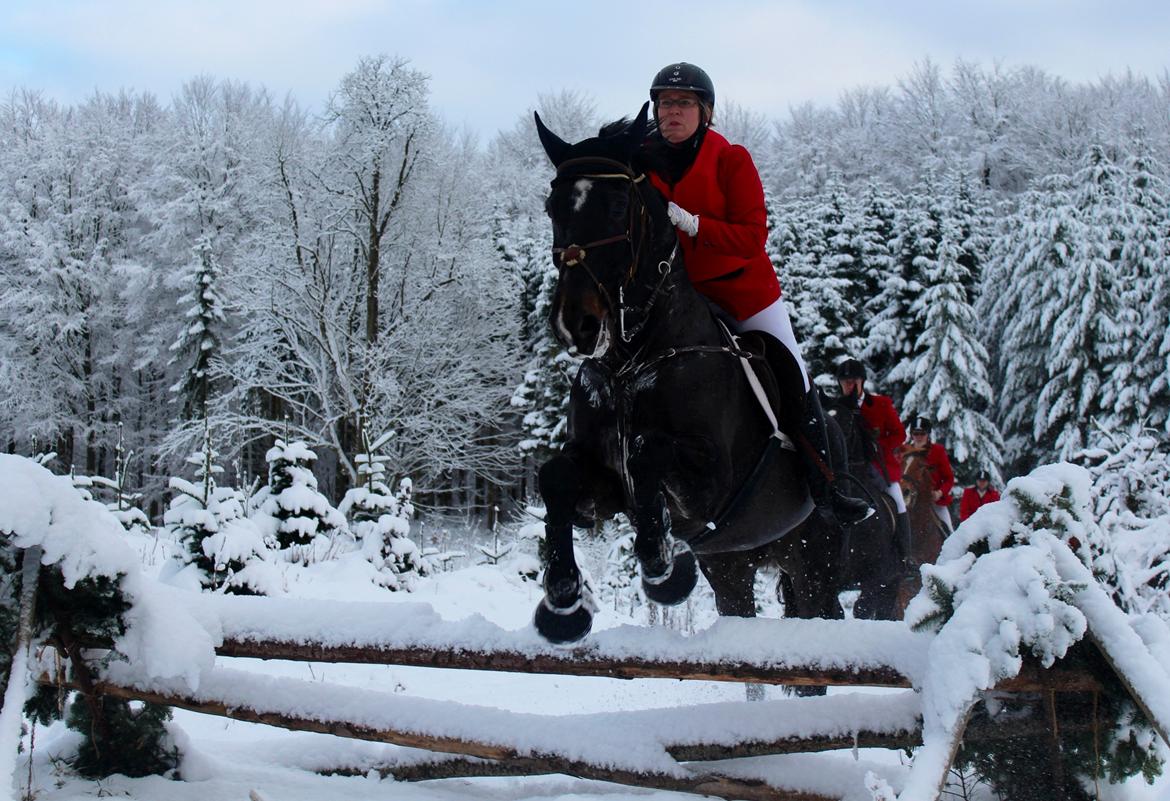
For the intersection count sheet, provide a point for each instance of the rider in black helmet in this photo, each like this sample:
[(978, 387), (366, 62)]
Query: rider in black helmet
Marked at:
[(716, 201)]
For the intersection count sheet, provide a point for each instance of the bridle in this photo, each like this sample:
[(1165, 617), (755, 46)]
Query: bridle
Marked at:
[(573, 255)]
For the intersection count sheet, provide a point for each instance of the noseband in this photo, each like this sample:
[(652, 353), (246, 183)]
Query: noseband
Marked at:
[(574, 255)]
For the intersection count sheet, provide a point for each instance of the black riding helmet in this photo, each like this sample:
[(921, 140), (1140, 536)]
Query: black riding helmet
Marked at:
[(850, 368), (686, 77)]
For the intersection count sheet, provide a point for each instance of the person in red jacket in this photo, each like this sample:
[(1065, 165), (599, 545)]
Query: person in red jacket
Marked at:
[(942, 476), (887, 434), (978, 495), (716, 201)]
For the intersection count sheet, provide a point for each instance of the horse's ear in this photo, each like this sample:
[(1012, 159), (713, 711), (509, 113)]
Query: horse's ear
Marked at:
[(636, 133), (554, 146)]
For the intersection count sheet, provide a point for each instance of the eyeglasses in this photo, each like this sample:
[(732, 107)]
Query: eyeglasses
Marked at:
[(919, 433), (682, 102)]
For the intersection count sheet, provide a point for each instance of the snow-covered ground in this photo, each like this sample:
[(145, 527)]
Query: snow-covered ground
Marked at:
[(173, 628)]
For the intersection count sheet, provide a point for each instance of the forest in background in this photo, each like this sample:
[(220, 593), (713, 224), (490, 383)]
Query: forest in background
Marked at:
[(225, 270)]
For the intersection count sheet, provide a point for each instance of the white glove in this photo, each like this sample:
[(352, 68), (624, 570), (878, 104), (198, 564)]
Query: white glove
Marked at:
[(685, 221)]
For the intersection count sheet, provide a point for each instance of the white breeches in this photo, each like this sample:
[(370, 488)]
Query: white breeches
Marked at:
[(944, 517), (894, 490), (774, 320)]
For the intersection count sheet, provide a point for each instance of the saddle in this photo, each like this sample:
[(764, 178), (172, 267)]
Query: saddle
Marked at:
[(776, 374)]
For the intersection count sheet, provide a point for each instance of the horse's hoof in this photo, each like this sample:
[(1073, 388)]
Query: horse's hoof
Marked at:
[(673, 586), (562, 626)]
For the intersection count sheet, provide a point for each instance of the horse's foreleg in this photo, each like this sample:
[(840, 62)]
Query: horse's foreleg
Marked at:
[(669, 569), (562, 615)]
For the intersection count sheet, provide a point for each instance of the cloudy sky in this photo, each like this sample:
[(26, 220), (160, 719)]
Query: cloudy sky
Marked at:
[(489, 61)]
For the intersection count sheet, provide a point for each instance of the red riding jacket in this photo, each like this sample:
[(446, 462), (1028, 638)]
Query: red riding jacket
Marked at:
[(888, 432), (726, 261), (972, 500)]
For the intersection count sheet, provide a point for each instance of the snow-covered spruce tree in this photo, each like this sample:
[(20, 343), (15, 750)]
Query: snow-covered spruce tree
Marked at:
[(621, 585), (1138, 386), (380, 520), (81, 599), (798, 245), (1083, 334), (542, 396), (949, 375), (218, 538), (199, 339), (836, 286), (997, 597), (293, 512), (1130, 469), (893, 333), (1035, 243)]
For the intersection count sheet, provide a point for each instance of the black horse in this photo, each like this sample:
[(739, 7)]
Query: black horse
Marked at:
[(664, 423), (870, 560)]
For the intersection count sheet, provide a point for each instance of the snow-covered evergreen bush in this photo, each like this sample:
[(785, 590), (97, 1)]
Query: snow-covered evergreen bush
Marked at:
[(380, 520), (219, 540), (292, 511), (997, 597), (1130, 470)]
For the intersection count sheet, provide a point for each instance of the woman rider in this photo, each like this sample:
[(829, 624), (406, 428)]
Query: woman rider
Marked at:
[(716, 201)]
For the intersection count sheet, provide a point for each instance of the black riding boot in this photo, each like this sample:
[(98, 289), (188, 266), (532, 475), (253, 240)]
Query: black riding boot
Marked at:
[(902, 539), (814, 450)]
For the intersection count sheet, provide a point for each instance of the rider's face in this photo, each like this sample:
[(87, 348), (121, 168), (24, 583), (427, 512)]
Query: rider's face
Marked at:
[(678, 115), (851, 386), (920, 437)]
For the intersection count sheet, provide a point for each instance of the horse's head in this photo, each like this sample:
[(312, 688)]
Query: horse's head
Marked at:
[(608, 223)]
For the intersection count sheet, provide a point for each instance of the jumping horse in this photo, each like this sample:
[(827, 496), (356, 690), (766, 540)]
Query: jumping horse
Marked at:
[(665, 423)]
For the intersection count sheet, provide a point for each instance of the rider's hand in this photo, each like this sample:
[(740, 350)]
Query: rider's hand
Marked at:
[(685, 221), (937, 495)]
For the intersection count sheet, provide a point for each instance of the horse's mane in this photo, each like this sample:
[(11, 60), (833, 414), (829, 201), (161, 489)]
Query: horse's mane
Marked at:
[(651, 157)]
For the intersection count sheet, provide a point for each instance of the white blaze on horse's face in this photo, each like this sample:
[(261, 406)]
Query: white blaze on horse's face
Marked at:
[(581, 192)]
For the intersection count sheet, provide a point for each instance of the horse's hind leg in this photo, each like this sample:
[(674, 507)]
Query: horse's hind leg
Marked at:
[(668, 566), (561, 616)]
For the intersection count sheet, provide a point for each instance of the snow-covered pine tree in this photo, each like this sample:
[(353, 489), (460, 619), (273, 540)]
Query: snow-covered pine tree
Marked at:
[(1035, 241), (1131, 500), (219, 540), (621, 582), (949, 372), (798, 245), (380, 519), (893, 331), (899, 328), (1138, 386), (293, 512), (198, 341), (1083, 333), (879, 212), (837, 286)]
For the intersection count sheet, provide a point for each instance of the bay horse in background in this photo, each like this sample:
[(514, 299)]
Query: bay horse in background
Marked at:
[(870, 561), (926, 530), (663, 422)]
